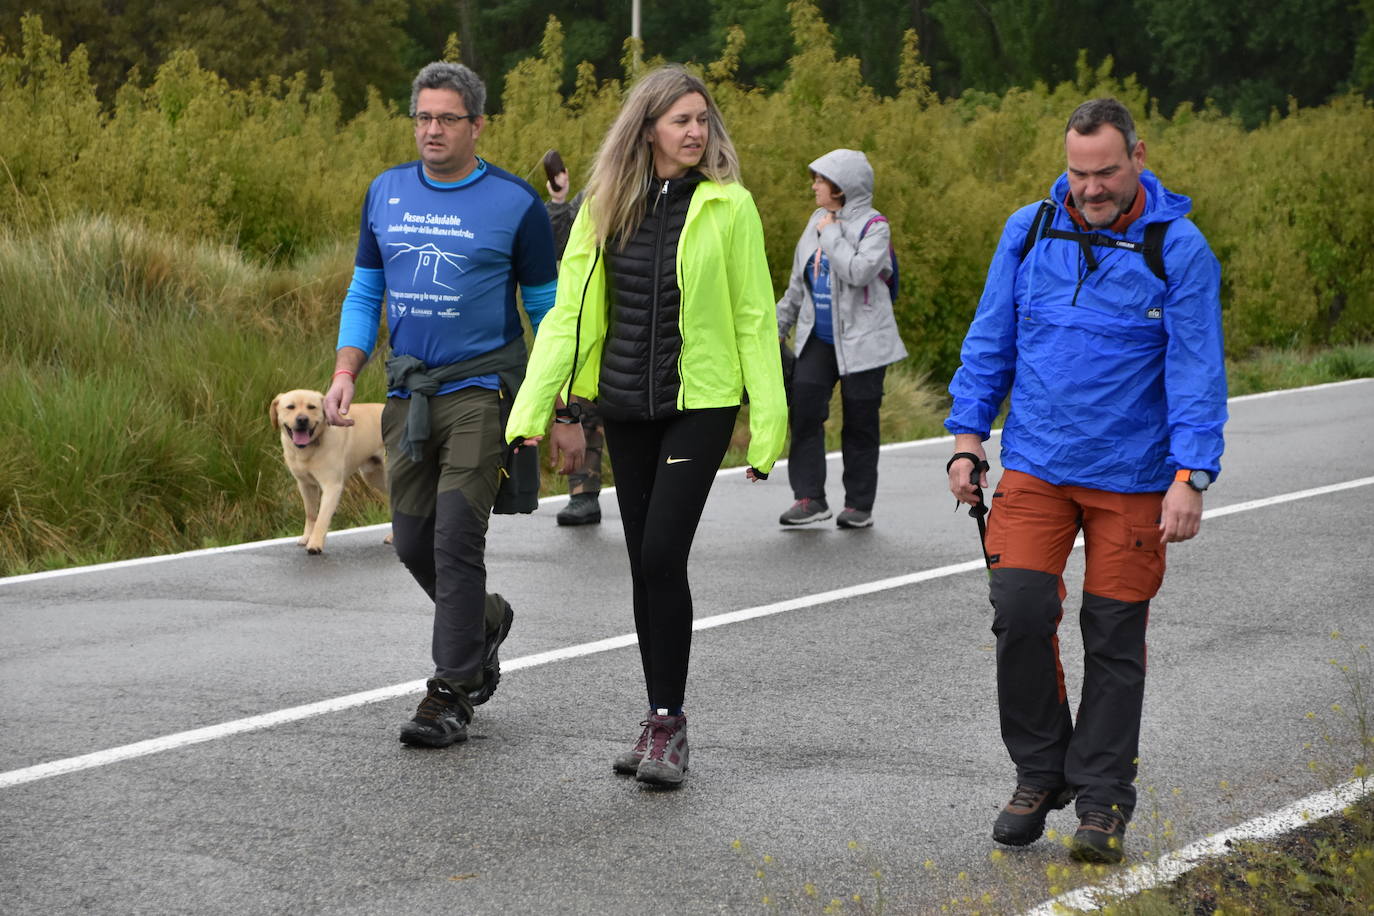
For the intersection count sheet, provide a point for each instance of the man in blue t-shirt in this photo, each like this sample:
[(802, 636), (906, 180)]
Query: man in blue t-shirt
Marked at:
[(444, 241)]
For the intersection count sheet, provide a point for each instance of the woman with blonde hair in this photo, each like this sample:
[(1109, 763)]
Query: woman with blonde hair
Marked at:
[(664, 317)]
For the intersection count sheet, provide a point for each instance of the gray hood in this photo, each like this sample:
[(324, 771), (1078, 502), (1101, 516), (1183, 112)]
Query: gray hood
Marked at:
[(848, 169)]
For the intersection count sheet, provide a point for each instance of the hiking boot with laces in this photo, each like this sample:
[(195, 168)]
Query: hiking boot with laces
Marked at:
[(627, 763), (582, 509), (805, 511), (491, 660), (665, 754), (1022, 821), (854, 518), (440, 720), (1100, 838)]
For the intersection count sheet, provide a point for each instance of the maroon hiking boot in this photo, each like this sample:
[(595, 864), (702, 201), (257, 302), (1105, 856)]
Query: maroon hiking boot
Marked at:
[(627, 763), (665, 757)]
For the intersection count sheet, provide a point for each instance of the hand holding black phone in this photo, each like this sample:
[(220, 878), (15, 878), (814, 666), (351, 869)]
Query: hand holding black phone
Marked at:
[(553, 166)]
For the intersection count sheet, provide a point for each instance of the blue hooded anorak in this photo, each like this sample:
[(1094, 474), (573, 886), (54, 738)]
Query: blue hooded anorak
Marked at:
[(1117, 378)]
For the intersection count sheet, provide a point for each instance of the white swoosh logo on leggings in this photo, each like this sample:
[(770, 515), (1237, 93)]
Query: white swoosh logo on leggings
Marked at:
[(672, 460)]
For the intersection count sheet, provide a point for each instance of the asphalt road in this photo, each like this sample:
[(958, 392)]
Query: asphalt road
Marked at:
[(843, 729)]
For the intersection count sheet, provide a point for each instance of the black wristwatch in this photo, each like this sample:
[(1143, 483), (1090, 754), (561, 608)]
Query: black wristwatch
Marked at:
[(1198, 480), (570, 414)]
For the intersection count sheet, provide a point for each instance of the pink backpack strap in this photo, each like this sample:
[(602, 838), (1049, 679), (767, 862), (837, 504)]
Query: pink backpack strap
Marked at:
[(864, 231)]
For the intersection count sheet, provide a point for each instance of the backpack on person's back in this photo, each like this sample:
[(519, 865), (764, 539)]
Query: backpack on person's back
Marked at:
[(893, 278)]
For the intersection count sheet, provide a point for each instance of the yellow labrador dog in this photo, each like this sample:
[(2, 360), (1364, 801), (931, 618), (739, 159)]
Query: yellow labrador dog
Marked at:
[(322, 457)]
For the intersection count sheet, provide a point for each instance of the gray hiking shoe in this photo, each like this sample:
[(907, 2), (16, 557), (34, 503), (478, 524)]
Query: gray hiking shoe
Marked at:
[(627, 763), (805, 511), (854, 518), (665, 757), (582, 509)]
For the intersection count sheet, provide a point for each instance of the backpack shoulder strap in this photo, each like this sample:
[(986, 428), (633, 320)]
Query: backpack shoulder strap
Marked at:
[(1037, 227), (891, 256), (1154, 248), (871, 220)]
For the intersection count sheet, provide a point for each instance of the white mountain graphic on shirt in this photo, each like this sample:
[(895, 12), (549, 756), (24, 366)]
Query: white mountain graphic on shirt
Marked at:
[(428, 257)]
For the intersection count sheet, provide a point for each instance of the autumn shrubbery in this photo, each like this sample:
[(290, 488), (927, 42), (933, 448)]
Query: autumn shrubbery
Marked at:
[(188, 248), (274, 170)]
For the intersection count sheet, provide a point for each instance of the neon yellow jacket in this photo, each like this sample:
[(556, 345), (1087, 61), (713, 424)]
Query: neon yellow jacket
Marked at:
[(727, 321)]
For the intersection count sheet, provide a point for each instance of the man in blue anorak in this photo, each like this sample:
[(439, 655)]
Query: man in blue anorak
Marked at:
[(1101, 318)]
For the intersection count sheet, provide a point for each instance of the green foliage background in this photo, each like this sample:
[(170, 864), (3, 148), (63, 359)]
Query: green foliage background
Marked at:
[(170, 261), (1248, 57)]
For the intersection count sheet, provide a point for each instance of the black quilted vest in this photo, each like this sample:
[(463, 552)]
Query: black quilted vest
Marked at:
[(639, 364)]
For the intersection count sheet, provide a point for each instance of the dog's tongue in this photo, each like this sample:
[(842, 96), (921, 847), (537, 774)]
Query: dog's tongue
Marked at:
[(300, 436)]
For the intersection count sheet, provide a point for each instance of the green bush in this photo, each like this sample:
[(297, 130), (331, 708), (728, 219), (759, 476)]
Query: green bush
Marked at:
[(169, 264), (275, 171)]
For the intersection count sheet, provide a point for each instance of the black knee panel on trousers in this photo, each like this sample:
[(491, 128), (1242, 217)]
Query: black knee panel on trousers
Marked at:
[(1032, 707), (1027, 603), (1101, 762), (413, 538)]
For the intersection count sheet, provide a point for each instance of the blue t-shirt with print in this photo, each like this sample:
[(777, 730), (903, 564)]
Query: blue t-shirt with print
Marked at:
[(819, 281), (451, 257)]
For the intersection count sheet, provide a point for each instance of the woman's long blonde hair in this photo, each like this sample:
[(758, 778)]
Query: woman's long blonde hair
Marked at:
[(620, 179)]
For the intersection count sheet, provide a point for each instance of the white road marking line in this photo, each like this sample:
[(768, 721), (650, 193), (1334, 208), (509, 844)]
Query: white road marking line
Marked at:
[(1286, 497), (296, 713), (1150, 875), (723, 472), (1278, 391)]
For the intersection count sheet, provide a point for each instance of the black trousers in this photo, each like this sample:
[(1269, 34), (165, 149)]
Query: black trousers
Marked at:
[(663, 473), (861, 393)]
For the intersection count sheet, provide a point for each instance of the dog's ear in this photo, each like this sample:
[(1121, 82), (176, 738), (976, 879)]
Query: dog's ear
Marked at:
[(272, 410)]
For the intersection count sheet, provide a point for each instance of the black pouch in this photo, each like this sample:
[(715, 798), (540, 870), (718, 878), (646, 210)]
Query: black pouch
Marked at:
[(519, 490)]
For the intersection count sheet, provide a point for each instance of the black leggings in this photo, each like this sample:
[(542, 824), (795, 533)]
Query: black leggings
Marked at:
[(663, 473)]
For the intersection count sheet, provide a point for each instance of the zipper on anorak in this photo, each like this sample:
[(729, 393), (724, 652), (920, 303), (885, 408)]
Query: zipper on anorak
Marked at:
[(1082, 275), (657, 266)]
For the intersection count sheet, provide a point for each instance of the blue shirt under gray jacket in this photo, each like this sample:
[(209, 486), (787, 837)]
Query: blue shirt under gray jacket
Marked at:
[(1117, 378)]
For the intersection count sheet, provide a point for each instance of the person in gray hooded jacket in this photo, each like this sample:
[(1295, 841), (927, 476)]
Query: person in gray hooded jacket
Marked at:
[(839, 303)]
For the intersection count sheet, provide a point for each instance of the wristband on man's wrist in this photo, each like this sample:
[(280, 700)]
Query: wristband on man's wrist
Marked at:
[(979, 464), (568, 415), (348, 372)]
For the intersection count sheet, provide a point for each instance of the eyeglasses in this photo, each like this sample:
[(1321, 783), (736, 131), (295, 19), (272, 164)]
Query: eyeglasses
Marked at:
[(448, 121)]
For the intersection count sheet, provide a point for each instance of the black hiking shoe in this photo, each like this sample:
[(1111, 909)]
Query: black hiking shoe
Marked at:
[(582, 509), (1100, 838), (491, 661), (1022, 821), (440, 720)]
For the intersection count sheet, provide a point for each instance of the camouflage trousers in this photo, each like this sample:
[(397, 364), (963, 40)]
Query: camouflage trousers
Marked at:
[(587, 477)]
